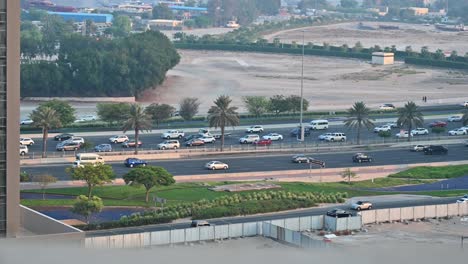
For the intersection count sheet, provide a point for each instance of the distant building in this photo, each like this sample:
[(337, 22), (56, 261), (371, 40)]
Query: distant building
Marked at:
[(82, 17), (418, 11), (163, 24), (383, 58)]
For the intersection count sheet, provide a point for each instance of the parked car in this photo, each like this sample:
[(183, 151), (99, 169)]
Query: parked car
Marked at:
[(131, 144), (457, 132), (438, 124), (336, 137), (169, 144), (67, 146), (361, 205), (387, 107), (420, 131), (405, 134), (462, 200), (249, 139), (418, 148), (273, 136), (456, 118), (195, 142), (63, 137), (216, 165), (300, 158), (263, 142), (134, 162), (361, 157), (103, 148), (297, 132), (323, 136), (384, 128), (23, 150), (78, 140), (26, 122), (435, 149), (197, 223), (254, 129), (172, 134), (339, 213), (26, 141), (118, 139), (207, 139)]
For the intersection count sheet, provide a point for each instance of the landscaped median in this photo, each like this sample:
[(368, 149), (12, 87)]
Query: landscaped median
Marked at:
[(432, 172)]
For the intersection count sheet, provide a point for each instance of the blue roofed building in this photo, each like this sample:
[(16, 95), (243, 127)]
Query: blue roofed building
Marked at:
[(82, 17)]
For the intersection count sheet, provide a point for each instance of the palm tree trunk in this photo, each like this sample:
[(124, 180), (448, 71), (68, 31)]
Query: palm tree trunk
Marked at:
[(359, 134), (45, 134), (222, 138), (136, 140), (409, 132)]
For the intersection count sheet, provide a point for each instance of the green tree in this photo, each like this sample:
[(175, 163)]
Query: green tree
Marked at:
[(162, 12), (44, 181), (54, 28), (180, 36), (203, 21), (189, 23), (425, 52), (439, 55), (31, 41), (278, 104), (112, 112), (276, 42), (159, 112), (409, 51), (256, 105), (90, 28), (64, 109), (358, 117), (348, 174), (45, 118), (358, 47), (349, 3), (93, 174), (453, 55), (87, 206), (148, 177), (138, 120), (121, 26), (293, 103), (410, 116), (222, 114), (188, 108)]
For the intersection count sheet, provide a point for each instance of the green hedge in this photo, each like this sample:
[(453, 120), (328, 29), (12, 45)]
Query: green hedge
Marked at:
[(444, 172), (437, 63)]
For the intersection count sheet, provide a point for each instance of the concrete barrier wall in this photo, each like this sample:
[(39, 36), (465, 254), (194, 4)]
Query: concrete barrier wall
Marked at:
[(452, 209), (368, 217), (419, 212), (41, 224), (441, 210), (407, 213), (395, 214), (382, 215)]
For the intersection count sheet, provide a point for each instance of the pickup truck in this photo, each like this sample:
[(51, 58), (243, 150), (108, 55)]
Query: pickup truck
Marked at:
[(173, 134), (216, 135)]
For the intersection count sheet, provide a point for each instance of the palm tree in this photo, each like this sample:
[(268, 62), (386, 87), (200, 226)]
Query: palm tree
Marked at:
[(45, 118), (138, 120), (359, 117), (222, 114), (410, 116)]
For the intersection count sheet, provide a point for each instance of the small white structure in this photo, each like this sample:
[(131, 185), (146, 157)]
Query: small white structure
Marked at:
[(383, 58)]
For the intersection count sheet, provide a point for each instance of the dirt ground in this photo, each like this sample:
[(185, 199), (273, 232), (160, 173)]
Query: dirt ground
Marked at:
[(414, 35), (329, 83)]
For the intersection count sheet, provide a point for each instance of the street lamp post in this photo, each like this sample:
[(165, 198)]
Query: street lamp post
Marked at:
[(302, 89)]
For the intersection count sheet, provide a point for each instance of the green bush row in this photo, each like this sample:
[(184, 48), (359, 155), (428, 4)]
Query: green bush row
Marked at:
[(437, 63)]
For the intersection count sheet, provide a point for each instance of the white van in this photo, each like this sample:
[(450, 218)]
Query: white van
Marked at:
[(87, 158), (319, 124)]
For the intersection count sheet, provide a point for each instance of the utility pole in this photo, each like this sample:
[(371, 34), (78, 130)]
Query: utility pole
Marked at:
[(302, 89)]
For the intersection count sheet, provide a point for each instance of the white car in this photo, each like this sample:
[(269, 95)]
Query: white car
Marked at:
[(216, 165), (74, 139), (118, 139), (254, 129), (384, 128), (403, 135), (465, 104), (387, 107), (456, 118), (462, 200), (249, 139), (392, 125), (336, 137), (418, 148), (457, 132), (207, 139), (420, 131), (23, 150), (323, 136), (273, 136), (85, 118), (172, 134), (26, 122), (169, 144), (26, 141)]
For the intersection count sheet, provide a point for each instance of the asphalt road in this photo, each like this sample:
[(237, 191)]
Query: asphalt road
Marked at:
[(150, 141), (257, 163), (378, 204)]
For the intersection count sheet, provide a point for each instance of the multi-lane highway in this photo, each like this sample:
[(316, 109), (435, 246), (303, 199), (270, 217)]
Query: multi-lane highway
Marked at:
[(257, 163)]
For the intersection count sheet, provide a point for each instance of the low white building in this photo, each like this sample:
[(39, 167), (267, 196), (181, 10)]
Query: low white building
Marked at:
[(383, 58)]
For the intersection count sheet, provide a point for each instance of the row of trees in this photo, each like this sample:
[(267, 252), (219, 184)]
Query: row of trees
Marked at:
[(245, 11), (259, 105)]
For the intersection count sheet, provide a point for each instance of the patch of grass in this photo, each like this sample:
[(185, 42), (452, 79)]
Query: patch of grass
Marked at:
[(67, 202), (444, 172)]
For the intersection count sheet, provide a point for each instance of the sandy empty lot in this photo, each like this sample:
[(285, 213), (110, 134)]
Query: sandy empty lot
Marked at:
[(330, 83), (413, 35)]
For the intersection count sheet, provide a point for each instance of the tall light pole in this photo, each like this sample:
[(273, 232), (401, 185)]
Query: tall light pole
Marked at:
[(302, 89)]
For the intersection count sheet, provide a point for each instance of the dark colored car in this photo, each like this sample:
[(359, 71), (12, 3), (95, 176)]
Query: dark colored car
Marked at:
[(190, 137), (63, 137), (435, 149), (196, 223), (195, 142), (131, 144), (103, 148), (339, 213), (296, 132), (66, 146), (438, 124), (134, 162), (301, 158), (361, 157), (263, 142)]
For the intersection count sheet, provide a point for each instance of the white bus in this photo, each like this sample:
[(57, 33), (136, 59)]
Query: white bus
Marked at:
[(319, 124), (87, 158)]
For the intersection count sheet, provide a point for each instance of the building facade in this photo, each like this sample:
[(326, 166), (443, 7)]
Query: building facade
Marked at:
[(9, 116)]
